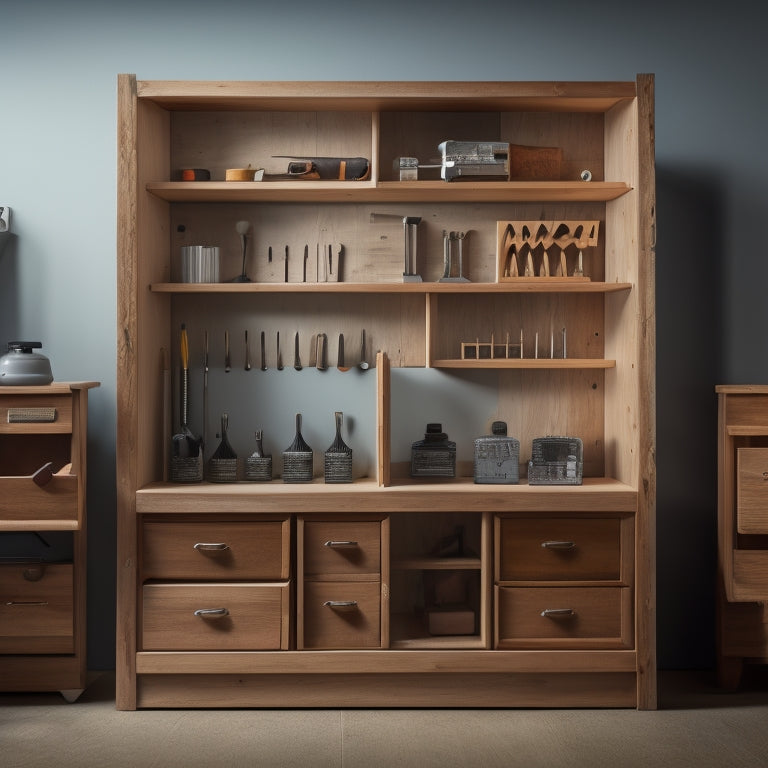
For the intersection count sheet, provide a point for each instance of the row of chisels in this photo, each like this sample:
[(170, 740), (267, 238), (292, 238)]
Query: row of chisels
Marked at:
[(327, 263), (318, 353)]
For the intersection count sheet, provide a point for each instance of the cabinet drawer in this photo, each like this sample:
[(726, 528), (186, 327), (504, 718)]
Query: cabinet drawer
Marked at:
[(752, 490), (36, 608), (22, 499), (213, 617), (554, 549), (595, 617), (35, 414), (341, 548), (342, 614), (216, 550)]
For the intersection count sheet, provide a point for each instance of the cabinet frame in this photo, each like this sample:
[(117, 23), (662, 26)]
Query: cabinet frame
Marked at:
[(626, 483)]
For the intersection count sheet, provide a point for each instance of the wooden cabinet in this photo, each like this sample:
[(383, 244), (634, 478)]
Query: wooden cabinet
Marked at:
[(742, 523), (431, 593), (43, 433)]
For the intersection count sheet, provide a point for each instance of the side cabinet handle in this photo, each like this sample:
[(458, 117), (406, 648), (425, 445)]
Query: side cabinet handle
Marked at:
[(27, 602), (212, 613), (340, 604), (558, 544), (340, 544), (558, 613), (203, 547)]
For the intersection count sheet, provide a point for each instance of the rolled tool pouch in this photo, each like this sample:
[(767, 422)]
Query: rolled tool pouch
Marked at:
[(330, 168)]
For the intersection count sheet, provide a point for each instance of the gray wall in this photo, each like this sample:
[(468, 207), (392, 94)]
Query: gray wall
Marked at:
[(59, 62)]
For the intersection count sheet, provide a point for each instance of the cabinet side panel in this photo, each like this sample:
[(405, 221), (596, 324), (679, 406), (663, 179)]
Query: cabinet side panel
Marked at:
[(126, 392)]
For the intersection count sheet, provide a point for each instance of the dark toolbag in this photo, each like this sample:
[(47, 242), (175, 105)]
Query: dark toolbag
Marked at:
[(327, 168)]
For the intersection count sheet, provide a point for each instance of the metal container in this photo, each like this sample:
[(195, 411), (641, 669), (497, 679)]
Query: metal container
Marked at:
[(497, 457), (556, 461), (338, 457), (297, 458), (23, 367), (435, 455), (257, 465)]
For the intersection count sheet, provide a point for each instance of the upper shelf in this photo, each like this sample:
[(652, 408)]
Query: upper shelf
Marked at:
[(387, 191)]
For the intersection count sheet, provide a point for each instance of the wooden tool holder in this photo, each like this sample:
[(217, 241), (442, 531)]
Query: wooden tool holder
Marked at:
[(537, 249)]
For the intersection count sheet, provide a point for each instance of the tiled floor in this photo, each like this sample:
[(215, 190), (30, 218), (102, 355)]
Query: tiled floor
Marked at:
[(697, 725)]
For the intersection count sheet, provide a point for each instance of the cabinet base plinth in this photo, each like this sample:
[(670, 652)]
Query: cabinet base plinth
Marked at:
[(615, 689)]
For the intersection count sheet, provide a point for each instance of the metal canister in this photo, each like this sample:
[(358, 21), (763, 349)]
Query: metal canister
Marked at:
[(435, 455), (497, 457)]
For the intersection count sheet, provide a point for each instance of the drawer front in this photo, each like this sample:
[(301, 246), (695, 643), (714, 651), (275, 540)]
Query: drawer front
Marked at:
[(587, 617), (22, 499), (35, 414), (342, 614), (36, 608), (216, 550), (752, 490), (342, 548), (554, 549), (215, 617)]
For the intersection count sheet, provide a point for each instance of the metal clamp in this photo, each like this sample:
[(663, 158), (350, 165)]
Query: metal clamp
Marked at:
[(340, 544), (212, 613), (203, 547)]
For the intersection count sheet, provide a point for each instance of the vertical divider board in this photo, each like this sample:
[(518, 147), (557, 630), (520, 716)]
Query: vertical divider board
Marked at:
[(383, 421)]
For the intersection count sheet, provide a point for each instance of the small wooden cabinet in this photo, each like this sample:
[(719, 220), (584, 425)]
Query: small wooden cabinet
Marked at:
[(742, 523), (390, 589), (43, 433)]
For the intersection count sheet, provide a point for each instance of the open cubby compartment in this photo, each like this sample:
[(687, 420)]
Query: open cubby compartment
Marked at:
[(418, 133), (440, 570), (265, 138)]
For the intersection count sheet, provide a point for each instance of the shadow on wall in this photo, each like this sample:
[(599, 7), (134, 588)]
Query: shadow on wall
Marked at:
[(9, 305), (688, 366)]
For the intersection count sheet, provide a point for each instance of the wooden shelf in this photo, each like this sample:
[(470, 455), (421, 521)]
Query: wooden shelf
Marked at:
[(526, 363), (524, 286), (386, 191)]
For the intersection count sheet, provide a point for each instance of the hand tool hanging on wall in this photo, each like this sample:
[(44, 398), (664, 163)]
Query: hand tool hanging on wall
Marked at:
[(279, 355), (296, 358), (227, 358), (263, 354), (185, 444), (247, 353)]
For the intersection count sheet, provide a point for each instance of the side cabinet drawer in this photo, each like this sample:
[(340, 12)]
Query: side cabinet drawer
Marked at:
[(36, 608), (343, 547), (573, 617), (215, 617), (216, 550), (752, 490), (342, 614), (555, 549)]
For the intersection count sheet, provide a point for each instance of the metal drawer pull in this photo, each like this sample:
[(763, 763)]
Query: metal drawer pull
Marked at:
[(558, 613), (558, 544), (202, 547), (341, 604), (27, 602), (212, 613), (340, 544)]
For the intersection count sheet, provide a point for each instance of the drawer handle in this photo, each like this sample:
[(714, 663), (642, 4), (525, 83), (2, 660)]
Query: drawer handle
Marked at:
[(558, 544), (558, 613), (27, 602), (340, 544), (211, 613), (341, 605), (202, 547)]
